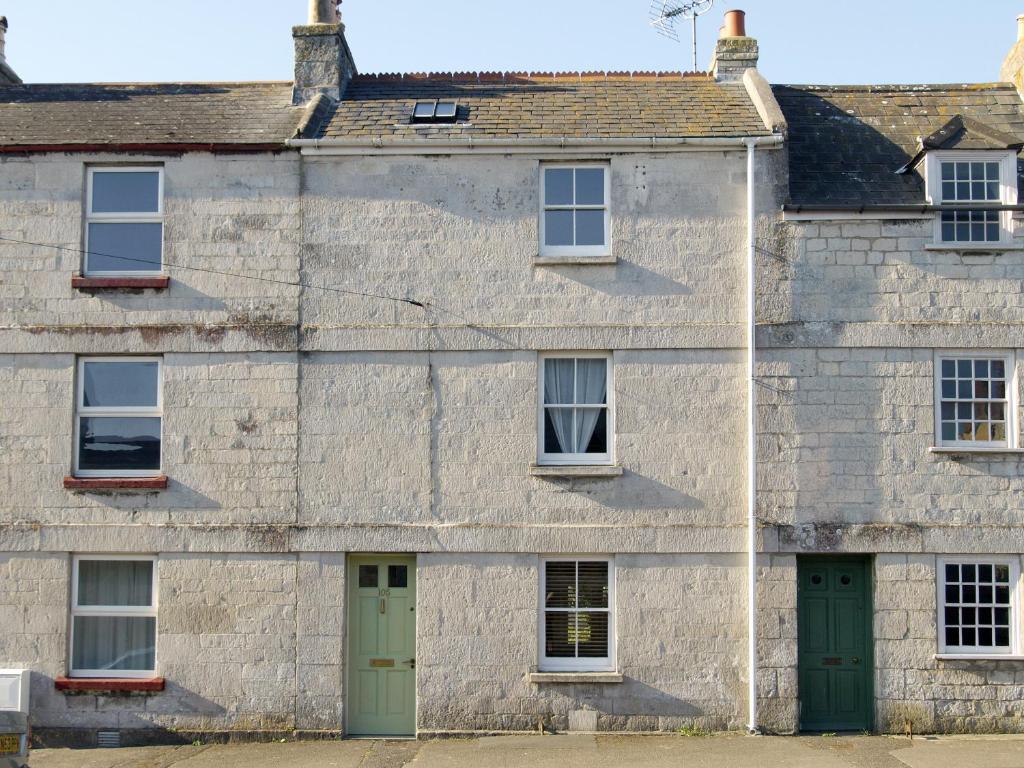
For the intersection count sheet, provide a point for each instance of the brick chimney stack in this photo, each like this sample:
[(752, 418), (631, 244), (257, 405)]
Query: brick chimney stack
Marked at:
[(735, 53), (1012, 70), (7, 75), (323, 61)]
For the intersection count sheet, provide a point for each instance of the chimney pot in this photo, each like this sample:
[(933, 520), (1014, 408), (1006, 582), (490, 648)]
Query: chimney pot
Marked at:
[(324, 12), (735, 53), (735, 24)]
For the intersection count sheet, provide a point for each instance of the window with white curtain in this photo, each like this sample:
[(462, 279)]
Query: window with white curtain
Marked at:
[(577, 614), (575, 409), (113, 616)]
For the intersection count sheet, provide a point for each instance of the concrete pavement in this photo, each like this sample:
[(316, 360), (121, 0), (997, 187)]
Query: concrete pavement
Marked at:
[(589, 751)]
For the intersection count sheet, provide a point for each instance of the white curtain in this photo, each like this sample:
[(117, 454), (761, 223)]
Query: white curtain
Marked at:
[(591, 386), (558, 388), (115, 582), (115, 642)]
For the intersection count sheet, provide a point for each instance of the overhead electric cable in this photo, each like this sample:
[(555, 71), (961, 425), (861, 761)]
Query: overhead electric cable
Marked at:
[(413, 302)]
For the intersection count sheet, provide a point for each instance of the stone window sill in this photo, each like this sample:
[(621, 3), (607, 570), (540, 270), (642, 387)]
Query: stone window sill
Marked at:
[(575, 677), (954, 450), (978, 657), (108, 684), (553, 261), (116, 483), (555, 470), (81, 283), (978, 249)]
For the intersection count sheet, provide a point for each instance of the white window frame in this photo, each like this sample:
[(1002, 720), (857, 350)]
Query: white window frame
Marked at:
[(1010, 359), (111, 610), (577, 250), (147, 217), (576, 459), (1007, 160), (940, 589), (80, 410), (558, 664)]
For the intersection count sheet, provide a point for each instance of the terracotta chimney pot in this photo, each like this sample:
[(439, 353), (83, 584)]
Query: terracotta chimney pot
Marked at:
[(735, 24)]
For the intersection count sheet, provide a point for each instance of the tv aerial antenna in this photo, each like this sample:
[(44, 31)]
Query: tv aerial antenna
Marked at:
[(666, 13)]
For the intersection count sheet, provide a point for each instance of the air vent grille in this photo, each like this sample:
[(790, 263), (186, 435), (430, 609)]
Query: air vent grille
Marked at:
[(108, 739)]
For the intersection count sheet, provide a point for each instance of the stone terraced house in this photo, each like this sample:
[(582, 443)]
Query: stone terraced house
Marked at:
[(428, 404)]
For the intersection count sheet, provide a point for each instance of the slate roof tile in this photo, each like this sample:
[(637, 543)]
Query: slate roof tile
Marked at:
[(615, 105), (147, 113), (873, 131)]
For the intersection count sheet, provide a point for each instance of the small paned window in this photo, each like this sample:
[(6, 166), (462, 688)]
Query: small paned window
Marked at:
[(977, 605), (119, 417), (975, 403), (574, 210), (113, 617), (577, 615), (124, 221), (964, 183), (575, 417), (970, 182)]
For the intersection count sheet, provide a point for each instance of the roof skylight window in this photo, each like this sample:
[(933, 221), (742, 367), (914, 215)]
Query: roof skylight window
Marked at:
[(435, 111)]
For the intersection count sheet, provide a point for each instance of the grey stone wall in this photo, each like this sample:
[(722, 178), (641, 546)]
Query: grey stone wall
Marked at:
[(912, 686), (379, 426), (846, 420), (478, 617), (229, 436)]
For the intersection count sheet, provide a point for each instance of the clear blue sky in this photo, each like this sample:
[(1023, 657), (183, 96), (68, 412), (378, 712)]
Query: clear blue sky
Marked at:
[(821, 41)]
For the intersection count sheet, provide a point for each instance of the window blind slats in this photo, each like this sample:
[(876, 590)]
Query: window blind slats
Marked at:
[(577, 609)]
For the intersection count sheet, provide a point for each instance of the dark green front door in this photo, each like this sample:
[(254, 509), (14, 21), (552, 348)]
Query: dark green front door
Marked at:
[(835, 657)]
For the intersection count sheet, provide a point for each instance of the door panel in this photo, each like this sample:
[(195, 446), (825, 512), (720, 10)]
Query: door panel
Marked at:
[(382, 645), (835, 648)]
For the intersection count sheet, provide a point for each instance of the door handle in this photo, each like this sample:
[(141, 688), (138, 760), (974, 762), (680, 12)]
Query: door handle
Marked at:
[(856, 659), (383, 606), (411, 662)]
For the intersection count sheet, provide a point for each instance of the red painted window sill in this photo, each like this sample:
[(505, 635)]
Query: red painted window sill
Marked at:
[(112, 684), (115, 483), (114, 283)]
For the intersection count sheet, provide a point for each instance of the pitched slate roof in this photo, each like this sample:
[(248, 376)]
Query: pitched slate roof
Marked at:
[(847, 142), (52, 115), (598, 104)]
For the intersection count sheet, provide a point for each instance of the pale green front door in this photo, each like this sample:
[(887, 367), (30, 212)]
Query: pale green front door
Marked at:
[(382, 645)]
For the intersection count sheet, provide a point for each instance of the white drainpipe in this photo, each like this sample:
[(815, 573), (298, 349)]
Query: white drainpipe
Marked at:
[(752, 724)]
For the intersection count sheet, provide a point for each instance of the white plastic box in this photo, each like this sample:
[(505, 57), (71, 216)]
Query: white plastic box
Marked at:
[(14, 690)]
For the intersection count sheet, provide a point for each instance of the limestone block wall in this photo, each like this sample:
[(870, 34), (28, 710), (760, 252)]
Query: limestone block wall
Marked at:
[(237, 214), (886, 272), (229, 437), (911, 685), (247, 642), (778, 694), (681, 646), (462, 232), (448, 438), (844, 439), (34, 604)]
